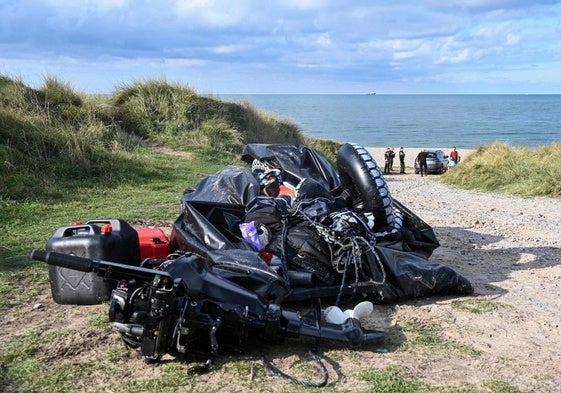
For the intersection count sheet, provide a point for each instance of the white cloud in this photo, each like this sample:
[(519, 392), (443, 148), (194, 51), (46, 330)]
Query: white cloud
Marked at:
[(177, 63), (103, 5), (303, 4), (391, 45), (213, 13), (421, 49), (455, 57), (493, 31), (227, 49), (324, 40), (512, 39)]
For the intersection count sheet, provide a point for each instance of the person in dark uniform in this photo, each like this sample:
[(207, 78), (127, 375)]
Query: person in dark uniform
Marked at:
[(392, 155), (387, 160), (422, 160), (401, 160)]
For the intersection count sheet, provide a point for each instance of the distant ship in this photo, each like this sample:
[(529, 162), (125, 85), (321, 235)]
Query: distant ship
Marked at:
[(372, 93)]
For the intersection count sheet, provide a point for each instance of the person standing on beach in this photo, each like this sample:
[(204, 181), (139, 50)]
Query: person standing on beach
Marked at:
[(422, 160), (454, 156), (392, 155), (387, 160), (401, 160)]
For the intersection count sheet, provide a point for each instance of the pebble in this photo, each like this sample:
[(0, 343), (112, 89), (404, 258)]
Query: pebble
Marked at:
[(521, 221)]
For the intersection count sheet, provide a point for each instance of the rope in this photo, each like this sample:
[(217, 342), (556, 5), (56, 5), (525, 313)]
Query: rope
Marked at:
[(341, 287), (284, 219), (273, 370), (350, 248)]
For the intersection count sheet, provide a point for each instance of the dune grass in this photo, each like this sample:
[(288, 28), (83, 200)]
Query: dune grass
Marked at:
[(522, 171), (53, 136)]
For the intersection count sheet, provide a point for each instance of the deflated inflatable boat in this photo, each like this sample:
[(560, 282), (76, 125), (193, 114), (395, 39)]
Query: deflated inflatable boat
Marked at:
[(337, 234), (247, 243)]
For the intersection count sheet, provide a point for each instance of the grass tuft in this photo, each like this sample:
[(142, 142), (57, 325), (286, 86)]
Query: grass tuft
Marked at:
[(395, 379), (474, 306), (426, 337), (392, 379), (495, 386), (498, 167)]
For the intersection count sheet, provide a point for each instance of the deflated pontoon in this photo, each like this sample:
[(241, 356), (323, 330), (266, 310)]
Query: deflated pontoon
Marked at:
[(246, 244)]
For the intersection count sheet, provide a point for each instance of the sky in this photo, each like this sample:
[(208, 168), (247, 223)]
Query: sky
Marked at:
[(287, 46)]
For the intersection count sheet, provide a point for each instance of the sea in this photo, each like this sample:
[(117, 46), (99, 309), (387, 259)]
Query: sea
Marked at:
[(379, 120)]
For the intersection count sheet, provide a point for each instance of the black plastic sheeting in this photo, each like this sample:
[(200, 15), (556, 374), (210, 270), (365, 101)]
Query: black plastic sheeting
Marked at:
[(298, 162), (396, 265)]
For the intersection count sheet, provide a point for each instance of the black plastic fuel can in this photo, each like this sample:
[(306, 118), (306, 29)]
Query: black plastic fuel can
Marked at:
[(112, 240)]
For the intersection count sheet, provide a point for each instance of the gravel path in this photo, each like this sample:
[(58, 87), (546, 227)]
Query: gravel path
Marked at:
[(510, 249)]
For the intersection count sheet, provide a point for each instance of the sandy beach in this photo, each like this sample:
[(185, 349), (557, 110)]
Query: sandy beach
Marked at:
[(509, 248), (410, 154)]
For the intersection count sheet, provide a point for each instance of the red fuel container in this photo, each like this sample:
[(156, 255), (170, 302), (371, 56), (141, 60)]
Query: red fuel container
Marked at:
[(154, 244)]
